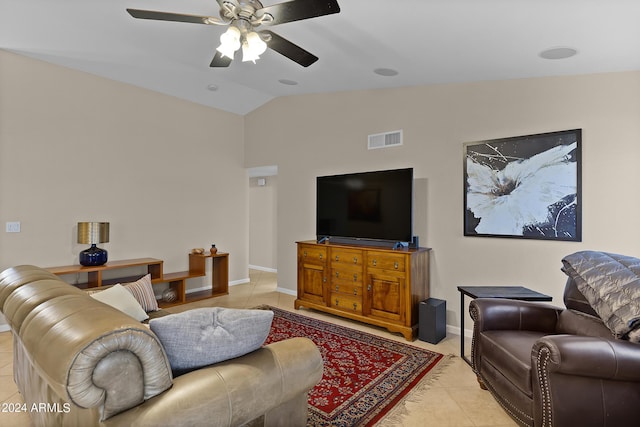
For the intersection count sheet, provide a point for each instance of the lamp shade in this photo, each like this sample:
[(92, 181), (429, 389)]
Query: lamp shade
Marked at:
[(93, 232), (229, 42), (253, 47)]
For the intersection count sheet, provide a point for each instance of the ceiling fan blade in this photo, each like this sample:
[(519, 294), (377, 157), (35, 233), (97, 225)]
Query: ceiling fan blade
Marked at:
[(175, 17), (220, 61), (288, 49), (297, 10)]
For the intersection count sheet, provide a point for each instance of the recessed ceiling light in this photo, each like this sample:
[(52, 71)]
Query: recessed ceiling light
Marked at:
[(288, 82), (387, 72), (558, 53), (212, 87)]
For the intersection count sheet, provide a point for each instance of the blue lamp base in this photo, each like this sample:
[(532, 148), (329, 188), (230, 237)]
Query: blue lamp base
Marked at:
[(93, 256)]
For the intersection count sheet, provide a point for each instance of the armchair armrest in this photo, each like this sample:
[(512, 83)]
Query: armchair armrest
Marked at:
[(237, 391), (506, 314), (594, 357), (582, 380)]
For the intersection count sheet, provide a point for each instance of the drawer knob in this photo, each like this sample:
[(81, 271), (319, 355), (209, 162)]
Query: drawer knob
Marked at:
[(355, 292), (375, 262), (324, 279), (337, 273), (304, 253), (337, 257), (369, 287), (355, 259), (337, 302), (355, 277), (320, 255), (355, 306), (395, 265), (337, 288)]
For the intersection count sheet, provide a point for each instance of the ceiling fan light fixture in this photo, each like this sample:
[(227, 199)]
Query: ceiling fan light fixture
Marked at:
[(229, 42), (252, 47), (243, 17), (248, 54)]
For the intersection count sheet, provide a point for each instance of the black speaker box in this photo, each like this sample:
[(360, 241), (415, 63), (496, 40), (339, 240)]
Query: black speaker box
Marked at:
[(432, 320)]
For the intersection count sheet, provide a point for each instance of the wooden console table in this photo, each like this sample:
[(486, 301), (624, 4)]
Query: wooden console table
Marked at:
[(375, 285), (177, 280)]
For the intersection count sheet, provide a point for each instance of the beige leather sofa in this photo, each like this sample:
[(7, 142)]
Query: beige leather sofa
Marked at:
[(78, 362)]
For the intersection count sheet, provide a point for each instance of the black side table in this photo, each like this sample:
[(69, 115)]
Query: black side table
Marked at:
[(507, 292)]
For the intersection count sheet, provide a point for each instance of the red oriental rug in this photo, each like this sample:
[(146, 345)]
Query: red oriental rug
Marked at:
[(364, 377)]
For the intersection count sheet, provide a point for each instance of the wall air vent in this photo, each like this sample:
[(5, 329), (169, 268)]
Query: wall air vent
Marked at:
[(385, 140)]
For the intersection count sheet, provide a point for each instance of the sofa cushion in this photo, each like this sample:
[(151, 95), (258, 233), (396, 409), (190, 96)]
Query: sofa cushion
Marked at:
[(119, 298), (205, 336), (575, 300), (575, 322), (142, 291), (510, 353)]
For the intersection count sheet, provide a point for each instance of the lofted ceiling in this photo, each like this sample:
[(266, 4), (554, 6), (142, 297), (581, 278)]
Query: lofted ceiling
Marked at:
[(425, 41)]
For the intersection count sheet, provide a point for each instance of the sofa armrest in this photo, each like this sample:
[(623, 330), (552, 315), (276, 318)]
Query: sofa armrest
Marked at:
[(79, 347), (235, 392), (505, 314), (589, 381)]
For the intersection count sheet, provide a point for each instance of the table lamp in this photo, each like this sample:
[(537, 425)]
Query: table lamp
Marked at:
[(93, 233)]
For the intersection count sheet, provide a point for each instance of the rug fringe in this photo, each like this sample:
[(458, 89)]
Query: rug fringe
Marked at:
[(397, 414)]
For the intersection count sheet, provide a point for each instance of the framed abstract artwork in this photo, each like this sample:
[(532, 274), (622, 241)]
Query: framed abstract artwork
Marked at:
[(526, 187)]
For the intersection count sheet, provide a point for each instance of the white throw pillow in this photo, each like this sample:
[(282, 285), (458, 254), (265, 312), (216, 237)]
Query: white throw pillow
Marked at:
[(119, 298)]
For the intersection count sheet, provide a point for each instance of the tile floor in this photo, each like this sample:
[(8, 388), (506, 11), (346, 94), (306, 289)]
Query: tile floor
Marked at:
[(449, 397)]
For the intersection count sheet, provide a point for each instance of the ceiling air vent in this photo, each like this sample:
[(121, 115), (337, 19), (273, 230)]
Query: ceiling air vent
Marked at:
[(385, 140)]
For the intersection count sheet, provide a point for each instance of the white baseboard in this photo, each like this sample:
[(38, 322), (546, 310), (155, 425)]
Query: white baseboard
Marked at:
[(468, 333), (267, 269), (208, 288), (455, 330), (239, 282), (287, 291)]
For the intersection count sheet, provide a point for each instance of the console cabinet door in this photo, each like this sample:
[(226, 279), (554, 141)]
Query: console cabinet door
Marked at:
[(312, 273), (313, 278), (386, 296)]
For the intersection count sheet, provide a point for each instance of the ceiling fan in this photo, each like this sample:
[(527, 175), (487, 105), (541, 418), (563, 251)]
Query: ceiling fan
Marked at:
[(243, 17)]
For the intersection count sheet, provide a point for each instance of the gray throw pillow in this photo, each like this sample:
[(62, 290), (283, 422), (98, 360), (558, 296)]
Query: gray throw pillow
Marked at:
[(205, 336)]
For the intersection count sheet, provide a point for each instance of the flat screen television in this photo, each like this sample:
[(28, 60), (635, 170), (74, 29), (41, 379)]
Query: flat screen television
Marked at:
[(372, 206)]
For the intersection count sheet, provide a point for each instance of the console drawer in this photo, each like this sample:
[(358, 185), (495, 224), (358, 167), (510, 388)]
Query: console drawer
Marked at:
[(386, 261), (347, 288), (312, 253), (346, 302), (346, 277), (343, 256)]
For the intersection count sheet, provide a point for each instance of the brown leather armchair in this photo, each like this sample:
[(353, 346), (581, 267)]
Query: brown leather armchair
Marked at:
[(548, 366)]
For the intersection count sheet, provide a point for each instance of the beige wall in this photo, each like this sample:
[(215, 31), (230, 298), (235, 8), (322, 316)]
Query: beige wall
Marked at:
[(167, 174), (263, 226), (322, 134), (156, 164)]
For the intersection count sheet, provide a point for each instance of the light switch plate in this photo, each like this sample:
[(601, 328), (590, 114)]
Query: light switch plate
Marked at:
[(13, 227)]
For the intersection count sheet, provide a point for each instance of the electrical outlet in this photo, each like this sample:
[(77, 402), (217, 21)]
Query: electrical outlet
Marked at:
[(13, 227)]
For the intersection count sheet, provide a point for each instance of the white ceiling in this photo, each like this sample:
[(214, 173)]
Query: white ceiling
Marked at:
[(426, 41)]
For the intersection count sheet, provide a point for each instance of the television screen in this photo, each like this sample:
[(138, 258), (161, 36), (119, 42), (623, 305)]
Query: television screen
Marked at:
[(369, 205)]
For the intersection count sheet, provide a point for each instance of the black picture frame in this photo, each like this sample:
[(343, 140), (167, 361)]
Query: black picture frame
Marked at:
[(525, 187)]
